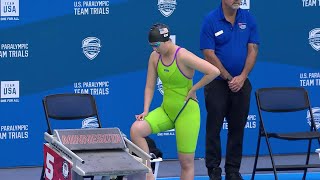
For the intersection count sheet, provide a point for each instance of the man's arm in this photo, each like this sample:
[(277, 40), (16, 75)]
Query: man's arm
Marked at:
[(237, 82), (211, 57), (251, 59)]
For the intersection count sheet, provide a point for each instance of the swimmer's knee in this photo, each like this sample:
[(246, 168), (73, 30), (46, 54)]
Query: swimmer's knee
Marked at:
[(186, 160), (140, 128)]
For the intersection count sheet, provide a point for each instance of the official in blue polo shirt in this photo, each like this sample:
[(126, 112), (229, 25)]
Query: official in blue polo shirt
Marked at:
[(229, 40)]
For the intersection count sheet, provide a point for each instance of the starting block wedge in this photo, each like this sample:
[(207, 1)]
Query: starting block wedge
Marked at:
[(72, 154)]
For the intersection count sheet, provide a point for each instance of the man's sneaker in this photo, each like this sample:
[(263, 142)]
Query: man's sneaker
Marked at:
[(215, 174), (233, 176)]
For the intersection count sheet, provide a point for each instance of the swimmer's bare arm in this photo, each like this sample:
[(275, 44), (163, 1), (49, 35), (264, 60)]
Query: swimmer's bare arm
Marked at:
[(150, 84), (194, 62)]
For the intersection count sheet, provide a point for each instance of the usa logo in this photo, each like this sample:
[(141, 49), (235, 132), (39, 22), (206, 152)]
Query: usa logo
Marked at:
[(9, 10), (91, 47), (245, 4), (166, 7), (242, 25), (314, 39)]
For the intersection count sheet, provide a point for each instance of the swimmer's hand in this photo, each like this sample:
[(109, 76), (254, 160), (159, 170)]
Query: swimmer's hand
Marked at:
[(141, 116), (192, 95)]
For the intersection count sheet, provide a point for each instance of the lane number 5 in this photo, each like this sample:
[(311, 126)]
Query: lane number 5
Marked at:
[(49, 166)]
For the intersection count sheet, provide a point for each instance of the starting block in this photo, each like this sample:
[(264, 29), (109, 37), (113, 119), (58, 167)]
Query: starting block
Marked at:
[(72, 154)]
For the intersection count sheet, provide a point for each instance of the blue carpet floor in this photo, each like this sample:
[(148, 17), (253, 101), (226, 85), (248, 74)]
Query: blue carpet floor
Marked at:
[(281, 176)]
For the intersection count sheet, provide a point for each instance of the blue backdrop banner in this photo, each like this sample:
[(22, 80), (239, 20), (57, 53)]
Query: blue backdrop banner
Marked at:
[(100, 47)]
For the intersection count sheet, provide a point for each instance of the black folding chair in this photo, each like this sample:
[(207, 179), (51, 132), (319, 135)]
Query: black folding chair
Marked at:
[(284, 100), (62, 108)]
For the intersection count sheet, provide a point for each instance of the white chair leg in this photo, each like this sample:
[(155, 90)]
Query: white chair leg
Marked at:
[(156, 168)]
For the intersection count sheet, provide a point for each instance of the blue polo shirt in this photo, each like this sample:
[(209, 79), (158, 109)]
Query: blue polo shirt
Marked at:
[(230, 43)]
